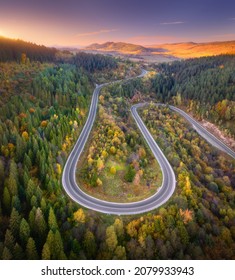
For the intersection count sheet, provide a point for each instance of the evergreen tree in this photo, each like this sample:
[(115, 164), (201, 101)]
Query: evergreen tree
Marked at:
[(18, 252), (46, 253), (40, 225), (58, 250), (52, 222), (15, 222), (6, 200), (31, 251), (6, 255), (9, 241), (24, 231)]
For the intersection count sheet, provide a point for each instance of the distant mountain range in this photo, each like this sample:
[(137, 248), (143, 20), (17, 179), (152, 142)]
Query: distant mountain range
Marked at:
[(169, 51), (120, 47), (11, 49)]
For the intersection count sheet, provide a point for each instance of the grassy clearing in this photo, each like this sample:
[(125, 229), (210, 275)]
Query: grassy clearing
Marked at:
[(115, 188)]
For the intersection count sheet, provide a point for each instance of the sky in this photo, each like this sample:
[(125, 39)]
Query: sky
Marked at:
[(144, 22)]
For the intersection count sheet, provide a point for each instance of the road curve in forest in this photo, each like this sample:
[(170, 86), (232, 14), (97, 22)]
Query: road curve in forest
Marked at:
[(209, 137), (69, 173)]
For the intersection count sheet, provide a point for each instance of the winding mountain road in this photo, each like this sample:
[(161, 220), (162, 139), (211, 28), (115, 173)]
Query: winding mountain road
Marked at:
[(168, 183)]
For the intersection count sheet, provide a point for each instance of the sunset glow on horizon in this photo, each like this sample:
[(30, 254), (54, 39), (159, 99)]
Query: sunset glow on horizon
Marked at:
[(80, 23)]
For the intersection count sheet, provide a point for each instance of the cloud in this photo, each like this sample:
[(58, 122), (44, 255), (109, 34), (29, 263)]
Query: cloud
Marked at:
[(101, 31), (172, 23), (232, 18)]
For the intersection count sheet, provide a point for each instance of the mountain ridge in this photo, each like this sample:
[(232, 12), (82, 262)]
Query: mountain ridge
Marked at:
[(118, 46), (177, 50)]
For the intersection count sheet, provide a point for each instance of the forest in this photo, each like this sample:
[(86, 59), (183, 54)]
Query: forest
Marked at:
[(44, 104)]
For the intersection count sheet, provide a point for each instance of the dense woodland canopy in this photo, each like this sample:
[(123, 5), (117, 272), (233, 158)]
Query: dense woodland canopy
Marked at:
[(94, 62), (208, 79), (43, 109)]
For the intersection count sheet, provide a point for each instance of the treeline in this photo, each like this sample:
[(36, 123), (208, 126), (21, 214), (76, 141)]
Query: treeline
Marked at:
[(12, 50), (93, 62)]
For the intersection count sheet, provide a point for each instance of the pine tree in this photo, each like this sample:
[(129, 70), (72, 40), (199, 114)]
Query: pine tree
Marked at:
[(40, 224), (31, 219), (18, 252), (27, 162), (24, 231), (52, 222), (6, 200), (31, 188), (50, 240), (46, 253), (6, 254), (15, 222), (31, 251), (58, 250), (12, 185), (43, 205), (15, 203), (9, 241)]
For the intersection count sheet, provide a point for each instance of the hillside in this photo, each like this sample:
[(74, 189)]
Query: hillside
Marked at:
[(119, 47), (11, 50), (193, 50)]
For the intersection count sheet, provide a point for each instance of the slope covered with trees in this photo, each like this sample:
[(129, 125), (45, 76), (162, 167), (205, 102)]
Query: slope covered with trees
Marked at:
[(205, 86), (18, 50)]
